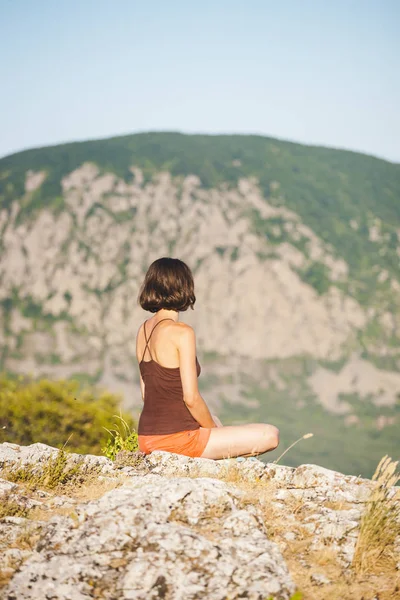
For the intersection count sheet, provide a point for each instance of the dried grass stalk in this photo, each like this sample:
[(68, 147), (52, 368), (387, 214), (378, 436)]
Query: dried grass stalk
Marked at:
[(380, 523)]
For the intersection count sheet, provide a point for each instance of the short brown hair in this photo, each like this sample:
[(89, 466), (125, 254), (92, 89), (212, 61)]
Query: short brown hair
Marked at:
[(168, 284)]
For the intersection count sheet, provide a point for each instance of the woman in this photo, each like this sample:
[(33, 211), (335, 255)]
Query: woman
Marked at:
[(175, 418)]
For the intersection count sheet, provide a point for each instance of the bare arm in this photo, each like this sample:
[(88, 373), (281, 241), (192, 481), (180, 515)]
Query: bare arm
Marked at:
[(191, 395), (142, 386), (138, 359)]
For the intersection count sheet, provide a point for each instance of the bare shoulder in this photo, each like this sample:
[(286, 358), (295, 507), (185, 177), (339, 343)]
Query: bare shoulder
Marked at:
[(138, 344), (184, 333), (139, 330)]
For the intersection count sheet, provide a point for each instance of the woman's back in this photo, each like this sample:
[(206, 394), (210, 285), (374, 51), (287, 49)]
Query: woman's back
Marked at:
[(164, 411)]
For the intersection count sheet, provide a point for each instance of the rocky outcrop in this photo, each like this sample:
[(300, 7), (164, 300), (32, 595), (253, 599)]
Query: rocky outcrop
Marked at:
[(168, 526)]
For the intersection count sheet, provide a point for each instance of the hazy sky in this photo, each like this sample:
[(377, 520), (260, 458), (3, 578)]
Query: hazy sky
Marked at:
[(320, 72)]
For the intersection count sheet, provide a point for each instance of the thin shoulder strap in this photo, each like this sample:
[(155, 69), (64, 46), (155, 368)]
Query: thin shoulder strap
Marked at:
[(147, 347)]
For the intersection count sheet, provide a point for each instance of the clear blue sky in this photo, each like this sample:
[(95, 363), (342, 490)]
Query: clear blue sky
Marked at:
[(319, 72)]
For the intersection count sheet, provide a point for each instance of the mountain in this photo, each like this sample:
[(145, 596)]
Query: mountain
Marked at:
[(295, 251)]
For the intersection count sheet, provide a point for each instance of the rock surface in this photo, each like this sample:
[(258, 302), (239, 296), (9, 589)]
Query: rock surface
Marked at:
[(141, 537), (173, 527)]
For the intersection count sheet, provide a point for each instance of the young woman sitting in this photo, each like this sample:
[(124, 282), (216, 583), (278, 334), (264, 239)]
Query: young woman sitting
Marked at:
[(175, 418)]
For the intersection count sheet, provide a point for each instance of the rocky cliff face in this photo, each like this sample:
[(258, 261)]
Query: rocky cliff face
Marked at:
[(279, 319), (87, 263), (177, 528)]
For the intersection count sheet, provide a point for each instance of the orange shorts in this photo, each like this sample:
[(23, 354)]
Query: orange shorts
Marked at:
[(189, 443)]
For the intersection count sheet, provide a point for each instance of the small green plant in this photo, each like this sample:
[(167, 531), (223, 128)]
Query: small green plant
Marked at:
[(123, 438), (55, 472)]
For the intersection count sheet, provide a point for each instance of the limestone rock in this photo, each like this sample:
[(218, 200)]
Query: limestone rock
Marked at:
[(155, 533), (175, 527), (337, 528), (37, 454), (319, 579), (6, 487)]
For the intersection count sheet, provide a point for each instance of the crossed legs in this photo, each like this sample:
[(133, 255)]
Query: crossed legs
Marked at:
[(241, 440)]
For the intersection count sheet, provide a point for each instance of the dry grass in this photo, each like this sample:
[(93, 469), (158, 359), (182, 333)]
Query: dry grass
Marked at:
[(338, 505), (209, 525), (94, 488), (57, 477), (9, 507), (76, 483), (5, 576), (380, 523), (128, 458), (45, 514), (27, 539), (83, 490), (343, 586), (231, 473), (302, 560), (54, 473)]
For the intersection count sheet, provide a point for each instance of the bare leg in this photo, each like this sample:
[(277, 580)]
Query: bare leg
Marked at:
[(241, 440)]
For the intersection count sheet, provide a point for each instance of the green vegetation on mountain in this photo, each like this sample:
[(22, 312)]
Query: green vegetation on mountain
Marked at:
[(317, 275), (328, 188), (57, 412)]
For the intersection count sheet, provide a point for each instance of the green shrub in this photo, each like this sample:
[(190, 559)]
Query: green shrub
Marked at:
[(53, 412), (316, 275)]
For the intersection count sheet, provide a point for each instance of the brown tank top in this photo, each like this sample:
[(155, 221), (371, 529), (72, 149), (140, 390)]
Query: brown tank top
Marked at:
[(164, 409)]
